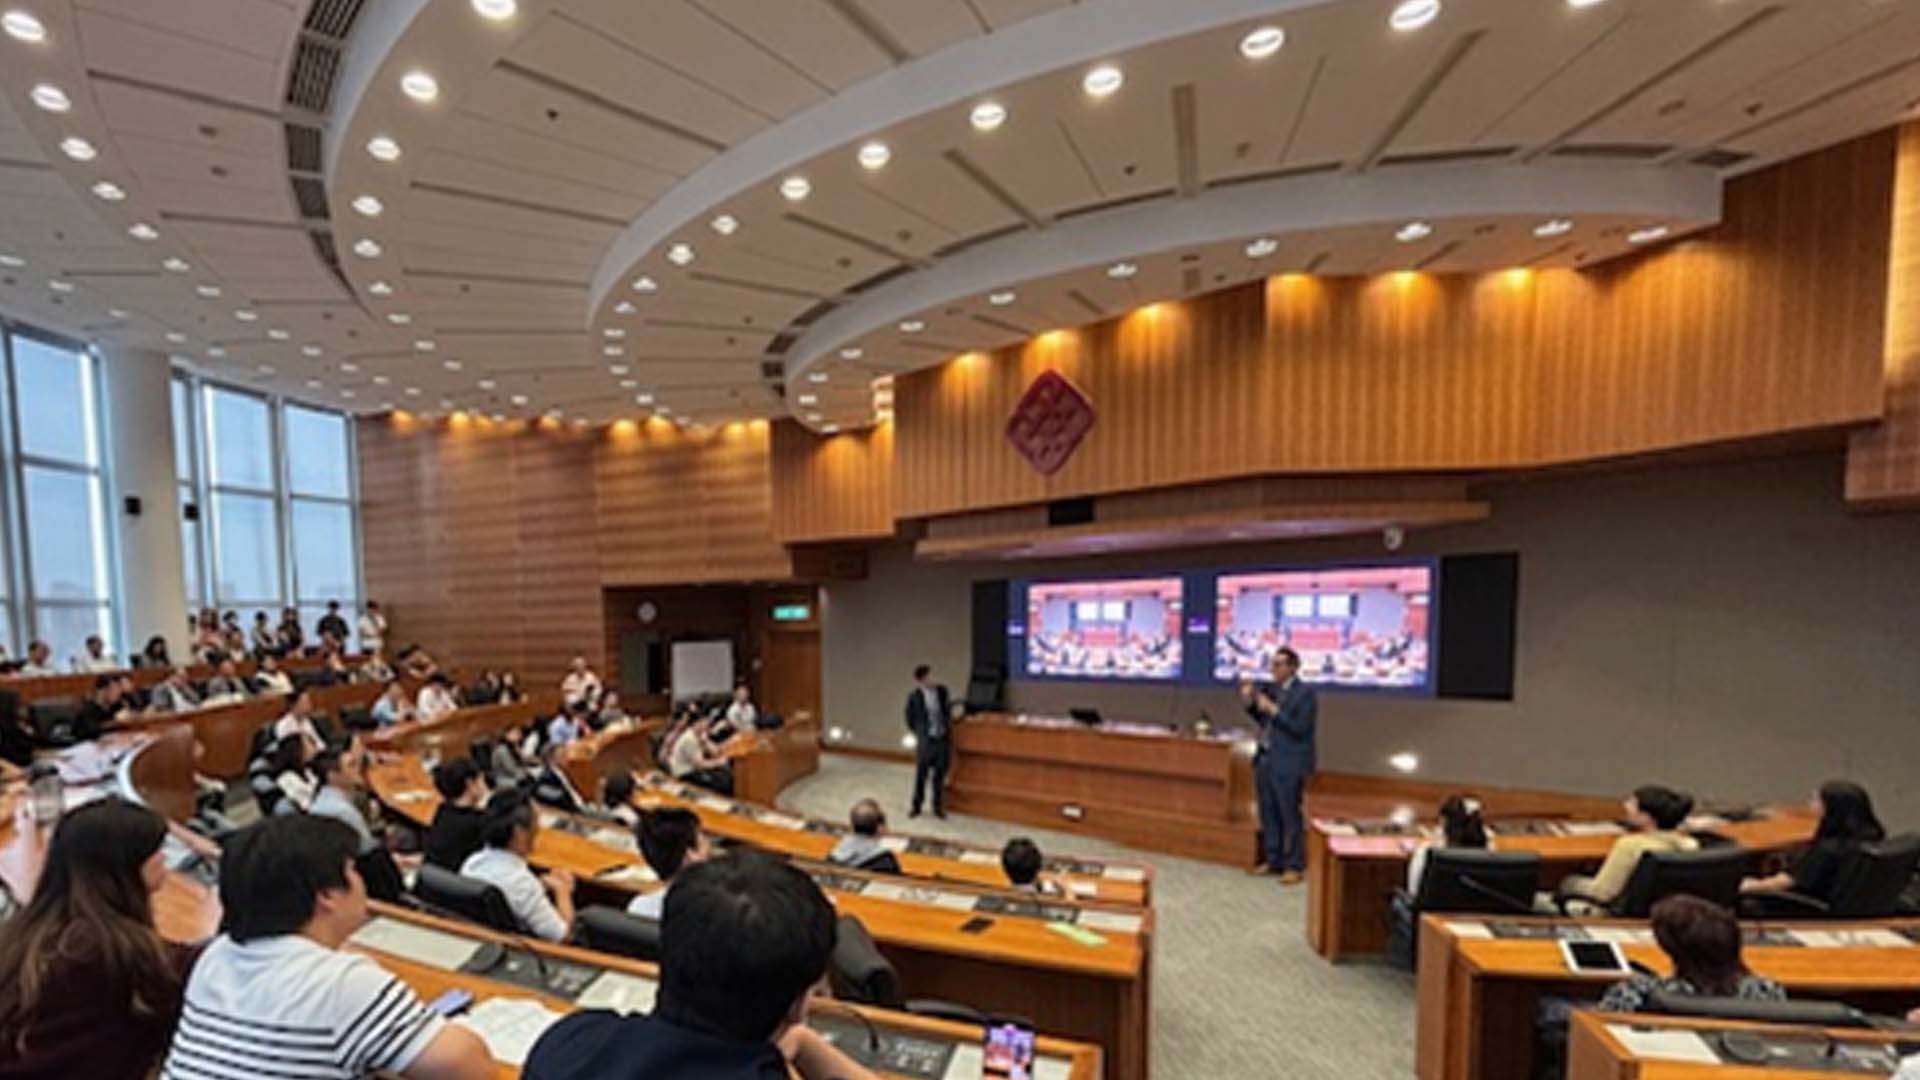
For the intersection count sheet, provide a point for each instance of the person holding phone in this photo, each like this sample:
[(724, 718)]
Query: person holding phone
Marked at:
[(1008, 1052), (1286, 712)]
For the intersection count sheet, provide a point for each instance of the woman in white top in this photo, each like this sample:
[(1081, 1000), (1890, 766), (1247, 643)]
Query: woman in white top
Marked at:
[(1461, 826), (299, 721), (270, 679), (436, 699), (741, 713), (580, 684), (373, 628)]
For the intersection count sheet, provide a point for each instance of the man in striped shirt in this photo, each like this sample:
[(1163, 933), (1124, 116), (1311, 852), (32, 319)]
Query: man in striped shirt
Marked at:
[(276, 996)]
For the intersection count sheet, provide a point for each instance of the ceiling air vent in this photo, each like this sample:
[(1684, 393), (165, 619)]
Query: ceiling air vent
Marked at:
[(813, 314), (303, 148), (311, 196), (323, 247), (780, 344), (878, 279), (773, 370), (334, 18), (1443, 157), (1721, 159), (1614, 151), (315, 65)]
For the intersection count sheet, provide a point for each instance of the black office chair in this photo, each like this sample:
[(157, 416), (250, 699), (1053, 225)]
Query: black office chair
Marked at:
[(612, 930), (382, 876), (880, 862), (986, 688), (1713, 874), (475, 901), (1826, 1014), (1460, 880), (54, 722), (859, 973), (1868, 887)]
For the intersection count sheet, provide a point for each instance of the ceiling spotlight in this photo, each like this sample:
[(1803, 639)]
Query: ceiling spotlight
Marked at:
[(1262, 247), (51, 98), (725, 224), (643, 399), (175, 336), (518, 399), (852, 352), (612, 350), (381, 380), (645, 284), (1584, 3), (265, 369), (452, 365), (23, 27), (116, 313), (680, 254), (216, 352), (618, 369), (176, 264), (412, 391), (1001, 298), (425, 345), (615, 332), (208, 291), (628, 384), (12, 262), (1414, 14), (814, 417), (383, 148), (1556, 227), (78, 148), (399, 318), (140, 230), (912, 326), (58, 285), (110, 191), (347, 394), (314, 384), (817, 376), (350, 367), (1262, 42), (367, 248), (278, 334), (988, 115), (830, 429), (487, 384), (1122, 270), (247, 315), (809, 399), (311, 350), (368, 206), (420, 86), (380, 288), (795, 188), (1102, 81), (1412, 231), (497, 10), (875, 155), (1647, 235)]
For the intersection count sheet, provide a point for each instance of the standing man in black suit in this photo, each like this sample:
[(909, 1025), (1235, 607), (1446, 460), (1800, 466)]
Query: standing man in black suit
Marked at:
[(932, 727), (1285, 711)]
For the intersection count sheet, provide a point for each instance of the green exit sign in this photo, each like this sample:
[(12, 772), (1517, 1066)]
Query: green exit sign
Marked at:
[(792, 612)]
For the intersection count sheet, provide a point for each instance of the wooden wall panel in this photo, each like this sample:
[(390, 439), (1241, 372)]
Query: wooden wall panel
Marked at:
[(835, 488), (686, 505), (1883, 464)]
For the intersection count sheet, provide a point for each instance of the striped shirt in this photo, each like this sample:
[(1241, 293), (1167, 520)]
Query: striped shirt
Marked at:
[(292, 1009)]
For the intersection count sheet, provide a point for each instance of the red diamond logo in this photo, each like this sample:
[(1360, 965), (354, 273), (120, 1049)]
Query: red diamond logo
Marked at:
[(1049, 422)]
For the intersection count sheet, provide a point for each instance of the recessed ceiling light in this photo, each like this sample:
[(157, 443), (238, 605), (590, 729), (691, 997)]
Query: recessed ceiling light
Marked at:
[(628, 384), (176, 336), (814, 417), (680, 254), (1122, 270), (368, 206), (140, 230), (1584, 3), (399, 318), (645, 284), (78, 148), (852, 352), (1647, 235), (618, 369), (809, 399), (1414, 14), (1261, 247), (58, 285), (1001, 298), (497, 10), (420, 86), (265, 369), (875, 155), (381, 380), (116, 313), (412, 391), (314, 384), (380, 288), (796, 187), (1262, 42), (51, 98), (367, 248), (452, 365), (1556, 227), (176, 264), (216, 352), (817, 376), (518, 399), (612, 350), (208, 291), (311, 350), (1412, 231), (831, 429), (12, 262), (912, 326), (347, 395), (643, 399), (110, 191), (487, 384), (350, 367), (988, 115), (615, 332), (624, 307), (278, 334), (725, 224), (425, 345), (383, 148), (246, 315), (1102, 80), (23, 27)]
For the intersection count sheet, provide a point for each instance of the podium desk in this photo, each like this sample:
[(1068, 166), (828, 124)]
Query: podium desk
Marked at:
[(1136, 784), (1611, 1046)]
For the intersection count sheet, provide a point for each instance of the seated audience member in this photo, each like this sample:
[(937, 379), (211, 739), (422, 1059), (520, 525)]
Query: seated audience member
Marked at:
[(579, 684), (567, 725), (155, 654), (333, 624), (736, 972), (502, 862), (553, 787), (740, 711), (338, 796), (373, 628), (333, 671), (461, 821), (16, 743), (105, 705), (504, 762), (1461, 826), (299, 720), (277, 984), (209, 641), (509, 689), (691, 757), (1655, 813), (1703, 941), (485, 689), (415, 662), (288, 772), (611, 712), (1022, 862), (670, 840), (39, 660), (270, 678), (95, 659), (176, 694), (616, 798), (263, 639), (862, 848), (226, 683), (436, 698), (290, 636), (91, 989), (374, 669), (1847, 821), (392, 706)]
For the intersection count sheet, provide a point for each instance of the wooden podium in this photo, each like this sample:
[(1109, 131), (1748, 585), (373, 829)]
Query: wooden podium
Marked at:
[(1136, 784)]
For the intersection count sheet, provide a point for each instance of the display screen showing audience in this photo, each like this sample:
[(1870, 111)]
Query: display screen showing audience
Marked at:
[(1115, 629), (1360, 627)]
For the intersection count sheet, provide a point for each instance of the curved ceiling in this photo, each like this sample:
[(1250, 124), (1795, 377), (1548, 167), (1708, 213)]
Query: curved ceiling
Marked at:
[(573, 143)]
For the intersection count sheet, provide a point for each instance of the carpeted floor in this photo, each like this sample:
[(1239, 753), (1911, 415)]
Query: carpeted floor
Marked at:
[(1237, 993)]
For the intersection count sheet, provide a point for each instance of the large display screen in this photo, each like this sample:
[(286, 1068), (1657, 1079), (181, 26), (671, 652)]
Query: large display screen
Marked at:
[(1121, 628), (1365, 627)]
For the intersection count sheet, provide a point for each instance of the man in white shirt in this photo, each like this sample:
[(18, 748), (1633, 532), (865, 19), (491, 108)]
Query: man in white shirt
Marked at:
[(176, 694), (298, 720), (39, 660), (580, 684), (436, 699), (670, 841), (373, 628), (502, 863), (95, 660), (339, 772), (693, 758), (277, 987), (741, 713)]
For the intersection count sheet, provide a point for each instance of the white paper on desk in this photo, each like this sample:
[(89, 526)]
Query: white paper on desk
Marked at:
[(969, 1063), (783, 821), (1621, 935), (1469, 930), (1117, 922), (634, 874), (1134, 874), (1666, 1045), (1591, 828), (1702, 822), (1849, 939), (616, 839), (980, 858), (953, 901), (414, 795), (896, 844), (885, 890), (509, 1026), (1083, 888), (420, 944), (715, 803), (620, 992)]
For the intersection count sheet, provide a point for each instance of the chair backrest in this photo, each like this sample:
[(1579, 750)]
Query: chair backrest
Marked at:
[(466, 897), (1870, 884), (1472, 879), (880, 862), (859, 972), (1814, 1013), (612, 930), (381, 875), (1712, 874)]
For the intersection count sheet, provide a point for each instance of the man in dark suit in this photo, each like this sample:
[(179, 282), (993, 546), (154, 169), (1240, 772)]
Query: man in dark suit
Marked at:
[(932, 727), (1285, 711)]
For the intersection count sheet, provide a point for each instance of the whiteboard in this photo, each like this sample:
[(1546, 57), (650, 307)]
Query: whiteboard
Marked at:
[(702, 667)]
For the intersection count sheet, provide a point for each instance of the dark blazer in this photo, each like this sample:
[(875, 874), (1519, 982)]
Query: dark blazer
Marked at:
[(1287, 737), (917, 717)]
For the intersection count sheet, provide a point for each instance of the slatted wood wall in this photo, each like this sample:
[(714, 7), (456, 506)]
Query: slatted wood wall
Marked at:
[(838, 488), (686, 505), (1883, 463)]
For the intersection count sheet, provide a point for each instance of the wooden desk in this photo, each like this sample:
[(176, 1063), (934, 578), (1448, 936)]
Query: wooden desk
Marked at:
[(1350, 877), (622, 747), (1099, 993), (765, 762), (1477, 996), (1135, 784), (453, 734), (1595, 1053), (72, 687)]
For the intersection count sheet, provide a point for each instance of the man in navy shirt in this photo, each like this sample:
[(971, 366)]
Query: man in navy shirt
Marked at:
[(1285, 712), (744, 942)]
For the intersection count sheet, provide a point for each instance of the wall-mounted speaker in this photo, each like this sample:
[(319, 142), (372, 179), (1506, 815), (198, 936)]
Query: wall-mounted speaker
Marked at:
[(132, 503)]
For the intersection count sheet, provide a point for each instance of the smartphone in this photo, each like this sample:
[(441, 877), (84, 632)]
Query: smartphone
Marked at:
[(1593, 957), (452, 1003), (976, 925), (1009, 1051)]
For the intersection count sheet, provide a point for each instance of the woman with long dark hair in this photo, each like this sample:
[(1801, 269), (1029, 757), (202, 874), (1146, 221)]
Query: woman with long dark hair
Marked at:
[(91, 988), (1847, 821), (1703, 940), (1461, 826)]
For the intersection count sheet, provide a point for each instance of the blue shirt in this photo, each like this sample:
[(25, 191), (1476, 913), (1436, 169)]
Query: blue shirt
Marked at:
[(598, 1044)]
